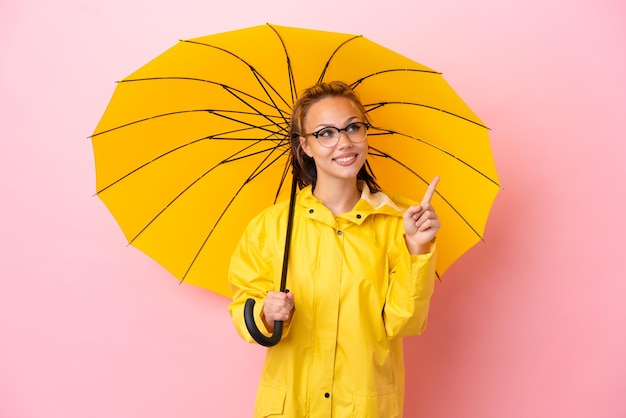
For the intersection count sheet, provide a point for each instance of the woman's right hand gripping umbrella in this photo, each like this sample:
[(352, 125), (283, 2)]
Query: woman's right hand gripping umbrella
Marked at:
[(277, 306)]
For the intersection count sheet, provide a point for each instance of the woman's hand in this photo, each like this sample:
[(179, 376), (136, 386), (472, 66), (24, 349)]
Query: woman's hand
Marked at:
[(277, 306), (421, 223)]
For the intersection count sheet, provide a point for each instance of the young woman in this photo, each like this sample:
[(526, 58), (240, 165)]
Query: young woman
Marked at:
[(361, 272)]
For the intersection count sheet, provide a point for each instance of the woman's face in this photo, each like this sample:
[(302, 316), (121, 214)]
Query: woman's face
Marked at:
[(345, 159)]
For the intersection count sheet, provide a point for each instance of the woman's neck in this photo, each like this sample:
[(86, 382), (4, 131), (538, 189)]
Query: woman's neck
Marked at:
[(338, 198)]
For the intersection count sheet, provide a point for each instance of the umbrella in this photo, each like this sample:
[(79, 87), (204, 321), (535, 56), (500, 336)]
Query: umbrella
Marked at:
[(193, 144)]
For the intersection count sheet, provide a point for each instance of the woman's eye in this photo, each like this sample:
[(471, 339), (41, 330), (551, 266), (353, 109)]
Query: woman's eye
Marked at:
[(353, 127), (325, 133)]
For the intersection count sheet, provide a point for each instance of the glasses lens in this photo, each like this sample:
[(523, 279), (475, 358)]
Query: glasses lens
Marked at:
[(328, 137), (356, 131)]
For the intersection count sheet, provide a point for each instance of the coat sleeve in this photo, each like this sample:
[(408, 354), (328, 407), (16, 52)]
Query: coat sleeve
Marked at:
[(251, 276), (411, 285)]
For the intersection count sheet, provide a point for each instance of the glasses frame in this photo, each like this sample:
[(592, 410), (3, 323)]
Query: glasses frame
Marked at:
[(339, 130)]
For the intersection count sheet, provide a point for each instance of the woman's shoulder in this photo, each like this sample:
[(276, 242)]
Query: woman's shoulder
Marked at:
[(273, 211), (263, 224)]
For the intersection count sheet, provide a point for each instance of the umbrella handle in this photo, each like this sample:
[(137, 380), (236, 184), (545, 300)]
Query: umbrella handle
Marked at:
[(248, 312), (248, 316)]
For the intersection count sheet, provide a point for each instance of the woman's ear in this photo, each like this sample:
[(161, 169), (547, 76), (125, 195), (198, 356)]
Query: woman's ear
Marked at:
[(305, 147)]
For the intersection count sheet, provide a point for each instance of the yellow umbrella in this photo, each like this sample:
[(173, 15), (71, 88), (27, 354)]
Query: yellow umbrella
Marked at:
[(193, 144)]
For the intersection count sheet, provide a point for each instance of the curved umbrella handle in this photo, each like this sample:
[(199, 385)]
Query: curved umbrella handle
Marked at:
[(248, 316)]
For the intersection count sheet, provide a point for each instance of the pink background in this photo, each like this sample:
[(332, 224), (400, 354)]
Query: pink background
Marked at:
[(531, 323)]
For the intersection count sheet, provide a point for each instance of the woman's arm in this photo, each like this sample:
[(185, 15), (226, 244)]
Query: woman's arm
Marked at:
[(251, 275), (411, 285)]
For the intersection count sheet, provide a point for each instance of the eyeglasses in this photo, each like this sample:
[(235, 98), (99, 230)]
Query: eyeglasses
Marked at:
[(329, 136)]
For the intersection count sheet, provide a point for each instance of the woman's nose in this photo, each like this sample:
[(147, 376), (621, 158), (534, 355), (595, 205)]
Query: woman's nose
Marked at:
[(344, 141)]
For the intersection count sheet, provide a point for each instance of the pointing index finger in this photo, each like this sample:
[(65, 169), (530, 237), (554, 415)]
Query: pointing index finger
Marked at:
[(430, 191)]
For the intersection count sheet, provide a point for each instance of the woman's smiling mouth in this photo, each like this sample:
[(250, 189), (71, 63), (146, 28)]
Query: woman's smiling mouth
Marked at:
[(345, 159)]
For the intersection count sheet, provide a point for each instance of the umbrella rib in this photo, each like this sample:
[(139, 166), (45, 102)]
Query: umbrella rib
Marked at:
[(382, 154), (292, 80), (280, 130), (355, 84), (255, 173), (189, 186), (448, 153), (282, 179), (224, 86), (217, 137), (341, 45), (257, 112), (392, 70), (250, 67), (217, 112), (256, 75), (125, 125), (374, 106), (286, 150)]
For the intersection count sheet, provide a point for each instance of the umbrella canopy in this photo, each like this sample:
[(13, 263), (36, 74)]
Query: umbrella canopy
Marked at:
[(194, 144)]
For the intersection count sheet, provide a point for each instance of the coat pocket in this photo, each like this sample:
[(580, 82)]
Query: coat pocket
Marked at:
[(269, 401), (382, 405)]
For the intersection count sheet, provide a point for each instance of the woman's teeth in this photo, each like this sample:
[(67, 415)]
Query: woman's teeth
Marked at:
[(345, 159)]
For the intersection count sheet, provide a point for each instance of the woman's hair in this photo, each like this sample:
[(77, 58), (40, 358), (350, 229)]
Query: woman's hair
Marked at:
[(303, 165)]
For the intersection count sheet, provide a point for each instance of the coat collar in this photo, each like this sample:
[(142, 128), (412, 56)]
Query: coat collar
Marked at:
[(377, 203)]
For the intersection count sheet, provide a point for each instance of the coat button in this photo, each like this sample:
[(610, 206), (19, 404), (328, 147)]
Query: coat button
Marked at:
[(358, 216), (339, 233), (327, 395)]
